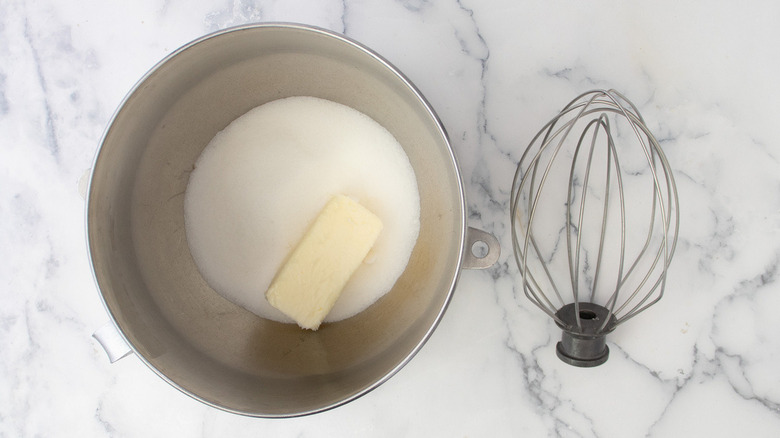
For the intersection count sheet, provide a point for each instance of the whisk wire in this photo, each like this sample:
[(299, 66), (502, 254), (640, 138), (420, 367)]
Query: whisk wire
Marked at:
[(666, 249), (535, 295), (611, 154), (574, 268)]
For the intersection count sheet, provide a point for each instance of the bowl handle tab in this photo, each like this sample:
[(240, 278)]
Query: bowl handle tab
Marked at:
[(112, 342), (481, 251)]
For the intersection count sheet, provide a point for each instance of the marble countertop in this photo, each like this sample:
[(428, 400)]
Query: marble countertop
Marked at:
[(702, 362)]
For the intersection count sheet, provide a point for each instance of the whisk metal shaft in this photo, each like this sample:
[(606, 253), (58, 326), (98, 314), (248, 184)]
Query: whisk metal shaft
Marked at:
[(630, 267)]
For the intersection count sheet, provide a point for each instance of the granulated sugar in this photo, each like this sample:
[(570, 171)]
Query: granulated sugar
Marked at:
[(261, 181)]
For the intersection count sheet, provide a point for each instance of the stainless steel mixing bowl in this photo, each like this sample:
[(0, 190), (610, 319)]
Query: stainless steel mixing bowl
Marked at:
[(182, 329)]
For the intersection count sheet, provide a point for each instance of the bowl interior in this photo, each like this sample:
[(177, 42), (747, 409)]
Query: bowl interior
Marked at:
[(185, 331)]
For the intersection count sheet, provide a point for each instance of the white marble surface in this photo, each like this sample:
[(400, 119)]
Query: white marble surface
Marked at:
[(703, 362)]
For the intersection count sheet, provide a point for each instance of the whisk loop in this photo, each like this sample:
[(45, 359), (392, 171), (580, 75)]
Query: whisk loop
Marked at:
[(595, 180)]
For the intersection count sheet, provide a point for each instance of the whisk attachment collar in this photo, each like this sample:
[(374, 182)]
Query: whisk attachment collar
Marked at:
[(584, 342)]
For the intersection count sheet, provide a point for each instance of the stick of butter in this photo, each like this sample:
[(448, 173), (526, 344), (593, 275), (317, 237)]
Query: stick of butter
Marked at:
[(307, 285)]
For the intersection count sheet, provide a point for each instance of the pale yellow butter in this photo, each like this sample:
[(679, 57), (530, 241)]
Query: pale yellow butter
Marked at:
[(308, 284)]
